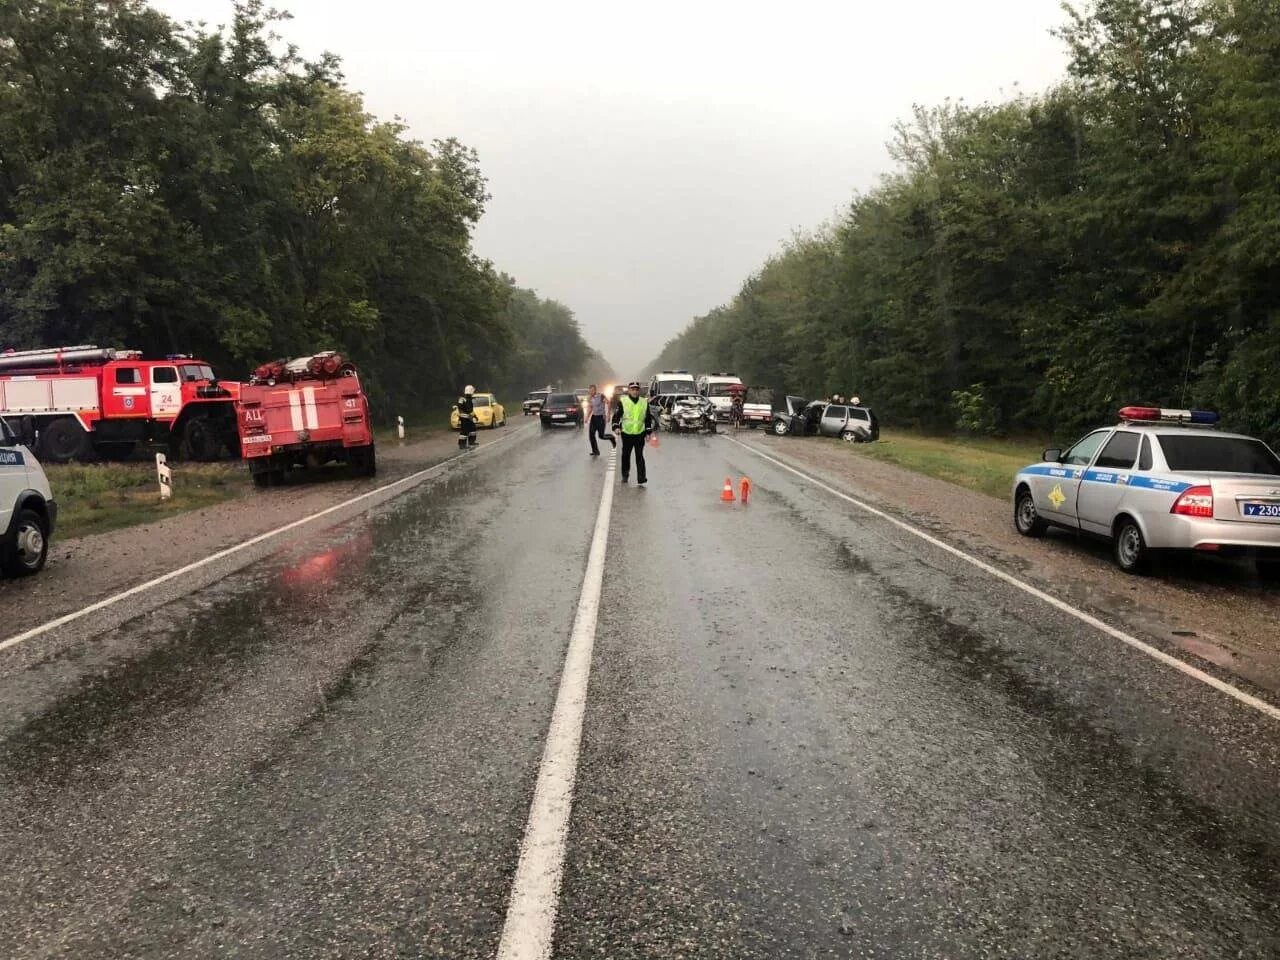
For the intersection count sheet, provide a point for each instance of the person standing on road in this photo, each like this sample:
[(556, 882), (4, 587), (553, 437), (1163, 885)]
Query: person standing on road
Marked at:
[(596, 407), (466, 417), (634, 421)]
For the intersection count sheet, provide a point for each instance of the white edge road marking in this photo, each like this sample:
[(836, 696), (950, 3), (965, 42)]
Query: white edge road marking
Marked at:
[(1156, 654), (530, 926), (229, 551)]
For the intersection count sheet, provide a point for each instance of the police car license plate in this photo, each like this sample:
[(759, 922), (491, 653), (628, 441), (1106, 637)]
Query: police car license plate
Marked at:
[(1271, 510), (557, 416)]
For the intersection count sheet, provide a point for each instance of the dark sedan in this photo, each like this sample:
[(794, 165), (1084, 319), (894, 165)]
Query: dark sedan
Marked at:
[(561, 408)]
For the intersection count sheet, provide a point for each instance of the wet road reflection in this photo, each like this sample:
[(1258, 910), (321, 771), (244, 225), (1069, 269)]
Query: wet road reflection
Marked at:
[(804, 737)]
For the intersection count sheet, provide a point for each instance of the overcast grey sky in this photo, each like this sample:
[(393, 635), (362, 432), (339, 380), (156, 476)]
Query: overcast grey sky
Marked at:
[(644, 159)]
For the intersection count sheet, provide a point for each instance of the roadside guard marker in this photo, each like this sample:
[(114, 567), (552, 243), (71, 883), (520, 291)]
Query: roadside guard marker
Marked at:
[(400, 427), (744, 489), (726, 495), (165, 476)]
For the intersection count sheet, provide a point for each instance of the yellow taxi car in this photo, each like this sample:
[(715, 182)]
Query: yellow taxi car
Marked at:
[(489, 412)]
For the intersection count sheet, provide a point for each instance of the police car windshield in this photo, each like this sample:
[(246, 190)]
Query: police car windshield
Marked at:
[(721, 389), (1210, 454)]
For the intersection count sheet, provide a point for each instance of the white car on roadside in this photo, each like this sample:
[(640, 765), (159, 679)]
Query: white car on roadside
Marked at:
[(1160, 480), (27, 508)]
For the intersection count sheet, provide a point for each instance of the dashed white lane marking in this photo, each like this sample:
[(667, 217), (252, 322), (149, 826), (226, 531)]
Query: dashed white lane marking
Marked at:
[(253, 541), (1180, 665), (535, 892)]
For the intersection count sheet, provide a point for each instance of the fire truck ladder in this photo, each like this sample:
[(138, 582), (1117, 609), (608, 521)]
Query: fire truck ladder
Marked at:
[(61, 356)]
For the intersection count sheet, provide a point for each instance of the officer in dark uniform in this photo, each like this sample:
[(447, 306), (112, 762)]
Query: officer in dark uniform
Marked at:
[(466, 418)]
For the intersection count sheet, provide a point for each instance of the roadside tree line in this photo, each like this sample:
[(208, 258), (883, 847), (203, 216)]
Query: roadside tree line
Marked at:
[(1031, 265), (182, 189)]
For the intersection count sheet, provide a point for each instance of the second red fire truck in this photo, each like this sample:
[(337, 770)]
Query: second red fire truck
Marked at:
[(87, 401), (303, 413)]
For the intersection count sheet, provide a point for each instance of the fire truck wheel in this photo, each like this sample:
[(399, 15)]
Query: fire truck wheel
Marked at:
[(268, 477), (63, 440), (364, 461), (30, 545), (200, 440)]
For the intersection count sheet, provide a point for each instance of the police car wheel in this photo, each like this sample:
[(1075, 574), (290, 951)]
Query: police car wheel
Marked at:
[(1130, 549), (1025, 518), (30, 547)]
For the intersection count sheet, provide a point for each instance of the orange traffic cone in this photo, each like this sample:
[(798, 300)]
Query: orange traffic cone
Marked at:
[(744, 488), (726, 494)]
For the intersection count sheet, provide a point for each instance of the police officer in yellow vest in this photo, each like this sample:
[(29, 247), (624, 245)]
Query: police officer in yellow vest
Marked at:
[(632, 418)]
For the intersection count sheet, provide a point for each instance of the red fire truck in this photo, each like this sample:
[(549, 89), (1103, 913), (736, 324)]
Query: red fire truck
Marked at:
[(85, 401), (303, 413)]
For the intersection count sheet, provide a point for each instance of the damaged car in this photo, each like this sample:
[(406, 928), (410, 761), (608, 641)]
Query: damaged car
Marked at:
[(819, 418), (692, 414)]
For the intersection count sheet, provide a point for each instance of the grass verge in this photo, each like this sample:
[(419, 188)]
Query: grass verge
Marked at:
[(987, 466), (96, 497)]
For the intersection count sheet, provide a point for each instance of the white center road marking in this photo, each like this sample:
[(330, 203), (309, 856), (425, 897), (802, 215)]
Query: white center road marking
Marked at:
[(1156, 654), (229, 551), (535, 892)]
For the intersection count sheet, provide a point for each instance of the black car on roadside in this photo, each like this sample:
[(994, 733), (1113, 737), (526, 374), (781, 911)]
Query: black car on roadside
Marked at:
[(561, 409)]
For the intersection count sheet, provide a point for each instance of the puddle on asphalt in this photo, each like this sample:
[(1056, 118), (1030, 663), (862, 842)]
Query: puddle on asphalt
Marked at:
[(95, 698)]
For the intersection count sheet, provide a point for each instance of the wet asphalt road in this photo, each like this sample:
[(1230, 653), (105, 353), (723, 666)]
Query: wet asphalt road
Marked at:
[(806, 735)]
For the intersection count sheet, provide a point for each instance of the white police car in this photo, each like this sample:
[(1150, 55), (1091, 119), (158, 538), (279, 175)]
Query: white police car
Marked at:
[(1159, 480), (27, 508)]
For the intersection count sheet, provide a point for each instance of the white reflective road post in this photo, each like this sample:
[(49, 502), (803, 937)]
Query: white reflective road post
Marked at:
[(400, 427), (165, 476)]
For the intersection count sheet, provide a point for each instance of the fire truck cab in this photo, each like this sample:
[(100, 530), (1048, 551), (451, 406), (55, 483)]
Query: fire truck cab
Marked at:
[(87, 400)]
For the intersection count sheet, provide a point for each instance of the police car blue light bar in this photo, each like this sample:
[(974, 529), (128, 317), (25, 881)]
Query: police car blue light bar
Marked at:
[(1206, 418)]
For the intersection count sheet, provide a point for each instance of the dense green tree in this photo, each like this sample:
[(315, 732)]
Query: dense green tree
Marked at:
[(184, 189), (1030, 266)]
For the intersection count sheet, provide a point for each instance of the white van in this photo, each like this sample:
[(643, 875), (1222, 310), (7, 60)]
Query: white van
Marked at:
[(715, 387), (27, 508)]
